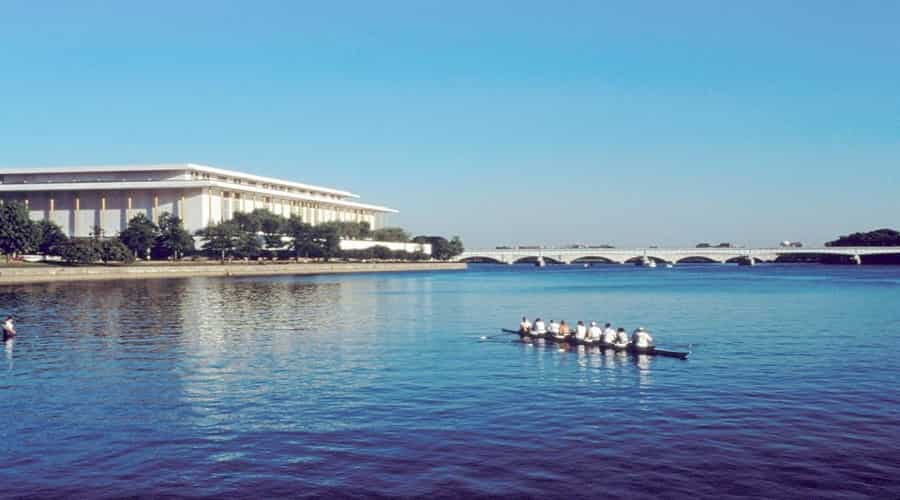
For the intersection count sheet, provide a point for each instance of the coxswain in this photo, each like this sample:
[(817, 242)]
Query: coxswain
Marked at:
[(580, 330), (595, 331), (9, 330), (564, 328), (642, 339), (609, 334), (553, 327), (539, 327), (525, 326)]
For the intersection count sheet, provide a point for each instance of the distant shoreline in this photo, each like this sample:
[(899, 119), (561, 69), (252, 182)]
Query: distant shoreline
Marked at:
[(14, 275)]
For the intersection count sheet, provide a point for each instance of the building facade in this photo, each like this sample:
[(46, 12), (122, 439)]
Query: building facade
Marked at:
[(79, 198)]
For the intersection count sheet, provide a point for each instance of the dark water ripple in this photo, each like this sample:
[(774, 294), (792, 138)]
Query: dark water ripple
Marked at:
[(363, 386)]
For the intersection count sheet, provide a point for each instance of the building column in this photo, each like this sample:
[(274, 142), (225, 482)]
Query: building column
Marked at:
[(102, 213), (76, 214), (155, 208)]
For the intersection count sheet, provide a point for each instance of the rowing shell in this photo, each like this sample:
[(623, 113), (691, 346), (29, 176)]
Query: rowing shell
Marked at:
[(650, 351)]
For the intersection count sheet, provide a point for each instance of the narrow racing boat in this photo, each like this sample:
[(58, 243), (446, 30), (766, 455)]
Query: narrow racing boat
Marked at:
[(570, 339)]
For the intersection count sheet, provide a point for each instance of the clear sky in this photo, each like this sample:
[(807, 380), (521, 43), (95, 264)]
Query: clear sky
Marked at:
[(630, 123)]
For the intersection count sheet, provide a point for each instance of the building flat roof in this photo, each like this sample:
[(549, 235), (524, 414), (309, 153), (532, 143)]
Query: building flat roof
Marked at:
[(126, 185), (171, 166)]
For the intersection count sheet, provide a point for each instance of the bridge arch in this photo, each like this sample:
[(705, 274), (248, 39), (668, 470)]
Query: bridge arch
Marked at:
[(594, 259), (637, 258), (698, 259), (475, 259), (533, 259)]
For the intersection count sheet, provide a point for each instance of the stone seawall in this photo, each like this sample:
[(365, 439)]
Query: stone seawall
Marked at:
[(39, 274)]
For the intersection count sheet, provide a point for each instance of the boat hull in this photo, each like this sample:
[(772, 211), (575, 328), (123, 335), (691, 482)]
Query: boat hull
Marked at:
[(630, 348)]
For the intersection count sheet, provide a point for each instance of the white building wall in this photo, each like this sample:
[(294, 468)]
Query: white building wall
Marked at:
[(393, 245), (196, 210)]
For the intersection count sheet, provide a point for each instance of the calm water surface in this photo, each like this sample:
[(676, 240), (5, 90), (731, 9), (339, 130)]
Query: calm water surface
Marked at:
[(377, 385)]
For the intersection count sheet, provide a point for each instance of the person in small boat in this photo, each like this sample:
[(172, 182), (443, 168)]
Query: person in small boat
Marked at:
[(595, 331), (9, 330), (564, 328), (525, 325), (621, 337), (553, 327), (609, 334), (540, 328), (580, 330), (642, 339)]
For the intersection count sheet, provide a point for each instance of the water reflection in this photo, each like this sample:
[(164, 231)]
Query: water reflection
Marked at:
[(8, 346)]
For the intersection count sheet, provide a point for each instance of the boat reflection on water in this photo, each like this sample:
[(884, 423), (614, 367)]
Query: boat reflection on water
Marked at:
[(612, 366)]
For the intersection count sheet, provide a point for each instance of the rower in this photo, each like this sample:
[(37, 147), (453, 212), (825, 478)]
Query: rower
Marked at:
[(595, 332), (622, 337), (525, 325), (9, 330), (553, 327), (609, 335), (642, 339), (564, 328), (580, 330), (539, 327)]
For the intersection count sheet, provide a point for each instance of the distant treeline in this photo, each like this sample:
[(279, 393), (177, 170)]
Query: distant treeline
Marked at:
[(877, 238)]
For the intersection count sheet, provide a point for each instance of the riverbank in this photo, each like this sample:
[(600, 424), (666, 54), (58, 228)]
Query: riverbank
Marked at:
[(14, 275)]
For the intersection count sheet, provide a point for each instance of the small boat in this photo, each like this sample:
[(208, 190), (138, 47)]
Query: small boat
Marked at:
[(630, 348), (645, 262), (669, 265)]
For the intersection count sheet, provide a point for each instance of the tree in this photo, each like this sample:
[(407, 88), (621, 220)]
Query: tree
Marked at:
[(220, 239), (390, 234), (140, 235), (328, 241), (303, 237), (173, 240), (440, 247), (878, 238), (113, 250), (81, 251), (17, 234), (382, 252), (49, 237), (456, 246), (350, 230), (248, 222), (248, 245), (272, 226)]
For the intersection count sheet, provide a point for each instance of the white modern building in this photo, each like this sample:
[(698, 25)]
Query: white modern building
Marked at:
[(79, 198)]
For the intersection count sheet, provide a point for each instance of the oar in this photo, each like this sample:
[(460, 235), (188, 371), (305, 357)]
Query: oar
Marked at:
[(505, 332)]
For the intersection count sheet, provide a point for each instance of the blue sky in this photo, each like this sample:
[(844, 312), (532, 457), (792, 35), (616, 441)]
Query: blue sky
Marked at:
[(631, 123)]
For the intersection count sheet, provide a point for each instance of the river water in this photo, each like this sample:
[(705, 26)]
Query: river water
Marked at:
[(379, 385)]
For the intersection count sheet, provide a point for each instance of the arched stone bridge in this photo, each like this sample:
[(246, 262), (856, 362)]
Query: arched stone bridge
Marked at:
[(670, 255)]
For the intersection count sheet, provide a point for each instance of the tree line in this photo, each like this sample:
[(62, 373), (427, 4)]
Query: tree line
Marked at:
[(876, 238), (252, 235)]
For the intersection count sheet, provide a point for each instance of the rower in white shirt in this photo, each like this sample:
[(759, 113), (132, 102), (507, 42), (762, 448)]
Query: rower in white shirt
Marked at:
[(580, 330), (553, 327), (595, 332), (642, 339), (621, 337), (525, 325), (539, 327), (609, 335)]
